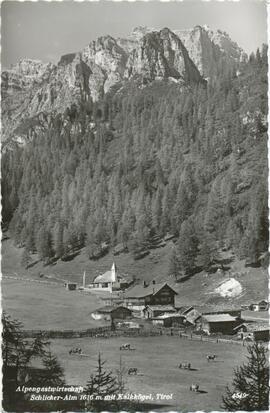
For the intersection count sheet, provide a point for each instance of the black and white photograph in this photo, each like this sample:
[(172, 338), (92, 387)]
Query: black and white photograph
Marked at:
[(135, 221)]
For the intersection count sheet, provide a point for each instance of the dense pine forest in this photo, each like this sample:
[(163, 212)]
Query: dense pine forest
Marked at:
[(147, 160)]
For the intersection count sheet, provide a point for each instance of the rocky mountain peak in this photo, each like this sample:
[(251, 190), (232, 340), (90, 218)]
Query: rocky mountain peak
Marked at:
[(29, 67), (184, 56), (206, 47), (140, 31), (226, 45), (159, 55)]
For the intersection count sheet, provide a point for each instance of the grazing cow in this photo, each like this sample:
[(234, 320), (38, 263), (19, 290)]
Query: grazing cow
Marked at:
[(194, 387), (76, 350), (185, 366), (125, 346), (132, 370), (211, 357)]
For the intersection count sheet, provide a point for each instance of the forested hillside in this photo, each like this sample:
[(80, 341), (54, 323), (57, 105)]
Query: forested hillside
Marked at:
[(147, 160)]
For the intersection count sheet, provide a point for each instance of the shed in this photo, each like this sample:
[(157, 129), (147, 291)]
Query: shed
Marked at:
[(234, 312), (71, 286), (169, 320), (110, 312), (219, 323), (192, 316)]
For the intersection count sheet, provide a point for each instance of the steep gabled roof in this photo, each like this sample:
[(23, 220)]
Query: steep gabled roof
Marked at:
[(161, 308), (169, 315), (107, 309), (216, 318), (192, 316), (187, 310), (139, 291)]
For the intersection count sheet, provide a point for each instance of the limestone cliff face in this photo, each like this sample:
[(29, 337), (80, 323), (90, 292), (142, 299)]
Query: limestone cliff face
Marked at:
[(207, 47), (31, 87), (160, 55), (51, 89)]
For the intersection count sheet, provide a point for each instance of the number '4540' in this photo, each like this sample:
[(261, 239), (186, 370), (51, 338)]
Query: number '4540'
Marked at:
[(239, 395)]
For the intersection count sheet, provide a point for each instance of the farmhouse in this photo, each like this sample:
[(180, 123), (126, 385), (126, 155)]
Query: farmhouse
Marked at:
[(109, 281), (138, 297), (111, 312), (218, 323), (262, 305), (253, 331)]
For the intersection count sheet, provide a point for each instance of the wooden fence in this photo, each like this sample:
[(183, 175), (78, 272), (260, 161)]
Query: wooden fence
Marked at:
[(91, 332), (107, 332), (196, 337)]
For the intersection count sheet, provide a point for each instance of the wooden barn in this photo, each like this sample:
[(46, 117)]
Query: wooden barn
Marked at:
[(151, 311), (218, 323), (234, 312), (170, 320), (191, 315), (140, 296), (111, 312)]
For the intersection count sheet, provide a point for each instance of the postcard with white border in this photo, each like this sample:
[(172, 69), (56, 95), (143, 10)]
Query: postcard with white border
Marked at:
[(135, 225)]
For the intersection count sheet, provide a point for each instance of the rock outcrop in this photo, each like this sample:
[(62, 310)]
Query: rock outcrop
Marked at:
[(206, 48), (31, 87)]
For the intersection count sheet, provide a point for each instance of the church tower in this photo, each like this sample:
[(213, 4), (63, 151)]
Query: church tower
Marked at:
[(114, 273)]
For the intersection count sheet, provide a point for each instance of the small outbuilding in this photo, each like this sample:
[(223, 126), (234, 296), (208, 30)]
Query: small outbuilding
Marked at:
[(71, 286), (170, 320), (234, 312), (111, 312), (218, 323)]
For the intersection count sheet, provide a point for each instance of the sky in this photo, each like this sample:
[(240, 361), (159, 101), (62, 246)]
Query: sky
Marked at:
[(47, 30)]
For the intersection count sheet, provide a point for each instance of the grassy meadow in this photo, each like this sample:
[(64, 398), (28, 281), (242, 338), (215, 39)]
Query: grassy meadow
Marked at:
[(157, 360), (47, 306)]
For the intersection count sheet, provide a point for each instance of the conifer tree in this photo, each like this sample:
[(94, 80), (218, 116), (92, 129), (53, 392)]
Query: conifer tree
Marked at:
[(26, 258), (44, 244), (17, 354), (59, 244), (187, 247), (250, 386), (53, 374), (101, 384), (174, 265)]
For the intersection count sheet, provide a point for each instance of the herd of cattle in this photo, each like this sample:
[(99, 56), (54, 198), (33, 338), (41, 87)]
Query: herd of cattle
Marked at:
[(134, 370)]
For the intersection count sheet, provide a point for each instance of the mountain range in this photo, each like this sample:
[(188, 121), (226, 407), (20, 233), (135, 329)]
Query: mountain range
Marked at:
[(31, 88)]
